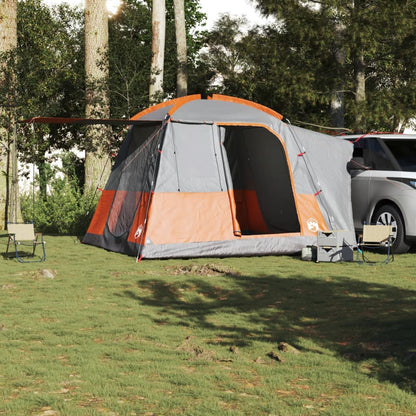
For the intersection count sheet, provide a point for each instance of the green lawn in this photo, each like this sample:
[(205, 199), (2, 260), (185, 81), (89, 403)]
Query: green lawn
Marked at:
[(232, 336)]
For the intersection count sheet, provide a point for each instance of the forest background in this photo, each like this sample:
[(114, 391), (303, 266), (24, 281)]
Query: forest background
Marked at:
[(330, 65)]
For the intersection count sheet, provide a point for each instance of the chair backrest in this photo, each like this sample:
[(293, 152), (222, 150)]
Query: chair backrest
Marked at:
[(22, 232), (376, 233)]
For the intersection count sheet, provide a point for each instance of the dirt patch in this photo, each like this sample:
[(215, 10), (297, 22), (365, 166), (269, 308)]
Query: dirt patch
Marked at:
[(210, 269), (44, 273), (195, 350)]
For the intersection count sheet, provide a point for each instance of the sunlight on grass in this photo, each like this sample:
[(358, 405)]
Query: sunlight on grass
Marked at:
[(232, 336)]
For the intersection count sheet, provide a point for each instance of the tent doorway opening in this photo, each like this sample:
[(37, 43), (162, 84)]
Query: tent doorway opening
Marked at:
[(261, 182)]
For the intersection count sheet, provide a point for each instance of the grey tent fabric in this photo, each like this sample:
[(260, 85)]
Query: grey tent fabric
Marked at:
[(222, 177)]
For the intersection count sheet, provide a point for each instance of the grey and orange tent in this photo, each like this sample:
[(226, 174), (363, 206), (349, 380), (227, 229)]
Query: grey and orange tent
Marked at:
[(221, 177)]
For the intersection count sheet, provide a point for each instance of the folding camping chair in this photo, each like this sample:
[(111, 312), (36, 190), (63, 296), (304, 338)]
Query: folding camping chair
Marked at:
[(373, 237), (24, 235)]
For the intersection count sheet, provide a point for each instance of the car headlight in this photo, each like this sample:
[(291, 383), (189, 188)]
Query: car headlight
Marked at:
[(407, 181)]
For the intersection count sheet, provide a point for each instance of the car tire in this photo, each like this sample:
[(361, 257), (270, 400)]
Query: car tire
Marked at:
[(390, 215)]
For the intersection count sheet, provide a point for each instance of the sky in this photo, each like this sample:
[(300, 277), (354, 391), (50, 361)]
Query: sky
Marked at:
[(236, 8), (212, 8)]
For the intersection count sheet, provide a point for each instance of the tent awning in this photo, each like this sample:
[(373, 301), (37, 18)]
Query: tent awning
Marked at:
[(85, 121)]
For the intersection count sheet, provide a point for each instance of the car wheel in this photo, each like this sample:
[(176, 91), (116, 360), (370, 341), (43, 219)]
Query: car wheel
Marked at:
[(389, 215)]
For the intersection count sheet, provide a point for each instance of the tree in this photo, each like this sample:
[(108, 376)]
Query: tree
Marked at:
[(158, 50), (9, 194), (130, 32), (377, 69), (130, 36), (267, 65), (226, 55), (194, 42), (181, 48), (49, 79), (337, 102), (97, 166)]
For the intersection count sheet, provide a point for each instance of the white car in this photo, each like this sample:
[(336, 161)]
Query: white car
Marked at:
[(383, 186)]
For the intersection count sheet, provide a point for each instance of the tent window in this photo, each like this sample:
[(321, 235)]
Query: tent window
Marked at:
[(136, 136), (132, 176), (261, 181)]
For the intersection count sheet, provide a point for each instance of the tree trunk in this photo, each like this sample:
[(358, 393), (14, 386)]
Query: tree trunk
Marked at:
[(9, 190), (337, 109), (158, 51), (97, 162), (14, 214), (360, 94), (337, 96), (43, 176), (359, 69), (181, 49)]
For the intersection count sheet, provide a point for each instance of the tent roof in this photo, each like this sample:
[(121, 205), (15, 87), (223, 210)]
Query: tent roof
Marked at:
[(218, 108), (192, 108)]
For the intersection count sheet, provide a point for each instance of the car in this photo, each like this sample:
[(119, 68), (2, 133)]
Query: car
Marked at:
[(383, 184)]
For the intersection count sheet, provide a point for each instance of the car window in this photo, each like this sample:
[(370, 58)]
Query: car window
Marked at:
[(404, 151), (357, 161), (377, 156)]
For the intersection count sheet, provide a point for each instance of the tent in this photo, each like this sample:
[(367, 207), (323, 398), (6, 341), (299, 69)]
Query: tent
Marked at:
[(221, 177)]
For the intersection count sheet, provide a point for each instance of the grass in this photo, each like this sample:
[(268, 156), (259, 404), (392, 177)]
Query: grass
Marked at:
[(232, 336)]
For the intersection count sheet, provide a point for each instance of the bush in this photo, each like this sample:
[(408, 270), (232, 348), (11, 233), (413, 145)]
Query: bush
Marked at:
[(63, 210)]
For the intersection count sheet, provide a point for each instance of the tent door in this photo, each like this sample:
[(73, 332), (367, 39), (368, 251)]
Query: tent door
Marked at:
[(132, 178), (259, 181)]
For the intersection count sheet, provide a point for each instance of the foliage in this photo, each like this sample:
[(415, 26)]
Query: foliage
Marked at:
[(129, 56), (64, 209), (130, 32), (225, 55), (202, 337), (264, 65), (50, 74), (292, 65)]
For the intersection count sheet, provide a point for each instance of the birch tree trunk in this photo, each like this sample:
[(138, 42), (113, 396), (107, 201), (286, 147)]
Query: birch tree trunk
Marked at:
[(337, 96), (359, 69), (9, 189), (158, 50), (181, 48), (97, 162), (360, 93)]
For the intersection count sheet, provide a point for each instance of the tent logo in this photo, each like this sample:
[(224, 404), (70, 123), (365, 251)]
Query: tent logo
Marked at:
[(313, 225), (138, 232)]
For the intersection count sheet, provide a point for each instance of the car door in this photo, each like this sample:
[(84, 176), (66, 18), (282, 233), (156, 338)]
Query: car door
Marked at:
[(360, 170)]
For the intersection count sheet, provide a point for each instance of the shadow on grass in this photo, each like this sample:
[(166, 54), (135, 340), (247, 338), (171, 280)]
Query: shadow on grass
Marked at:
[(360, 321)]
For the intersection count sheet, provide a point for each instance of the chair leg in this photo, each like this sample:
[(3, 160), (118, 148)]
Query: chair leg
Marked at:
[(44, 252), (43, 258), (17, 252), (388, 250), (359, 250), (26, 253)]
